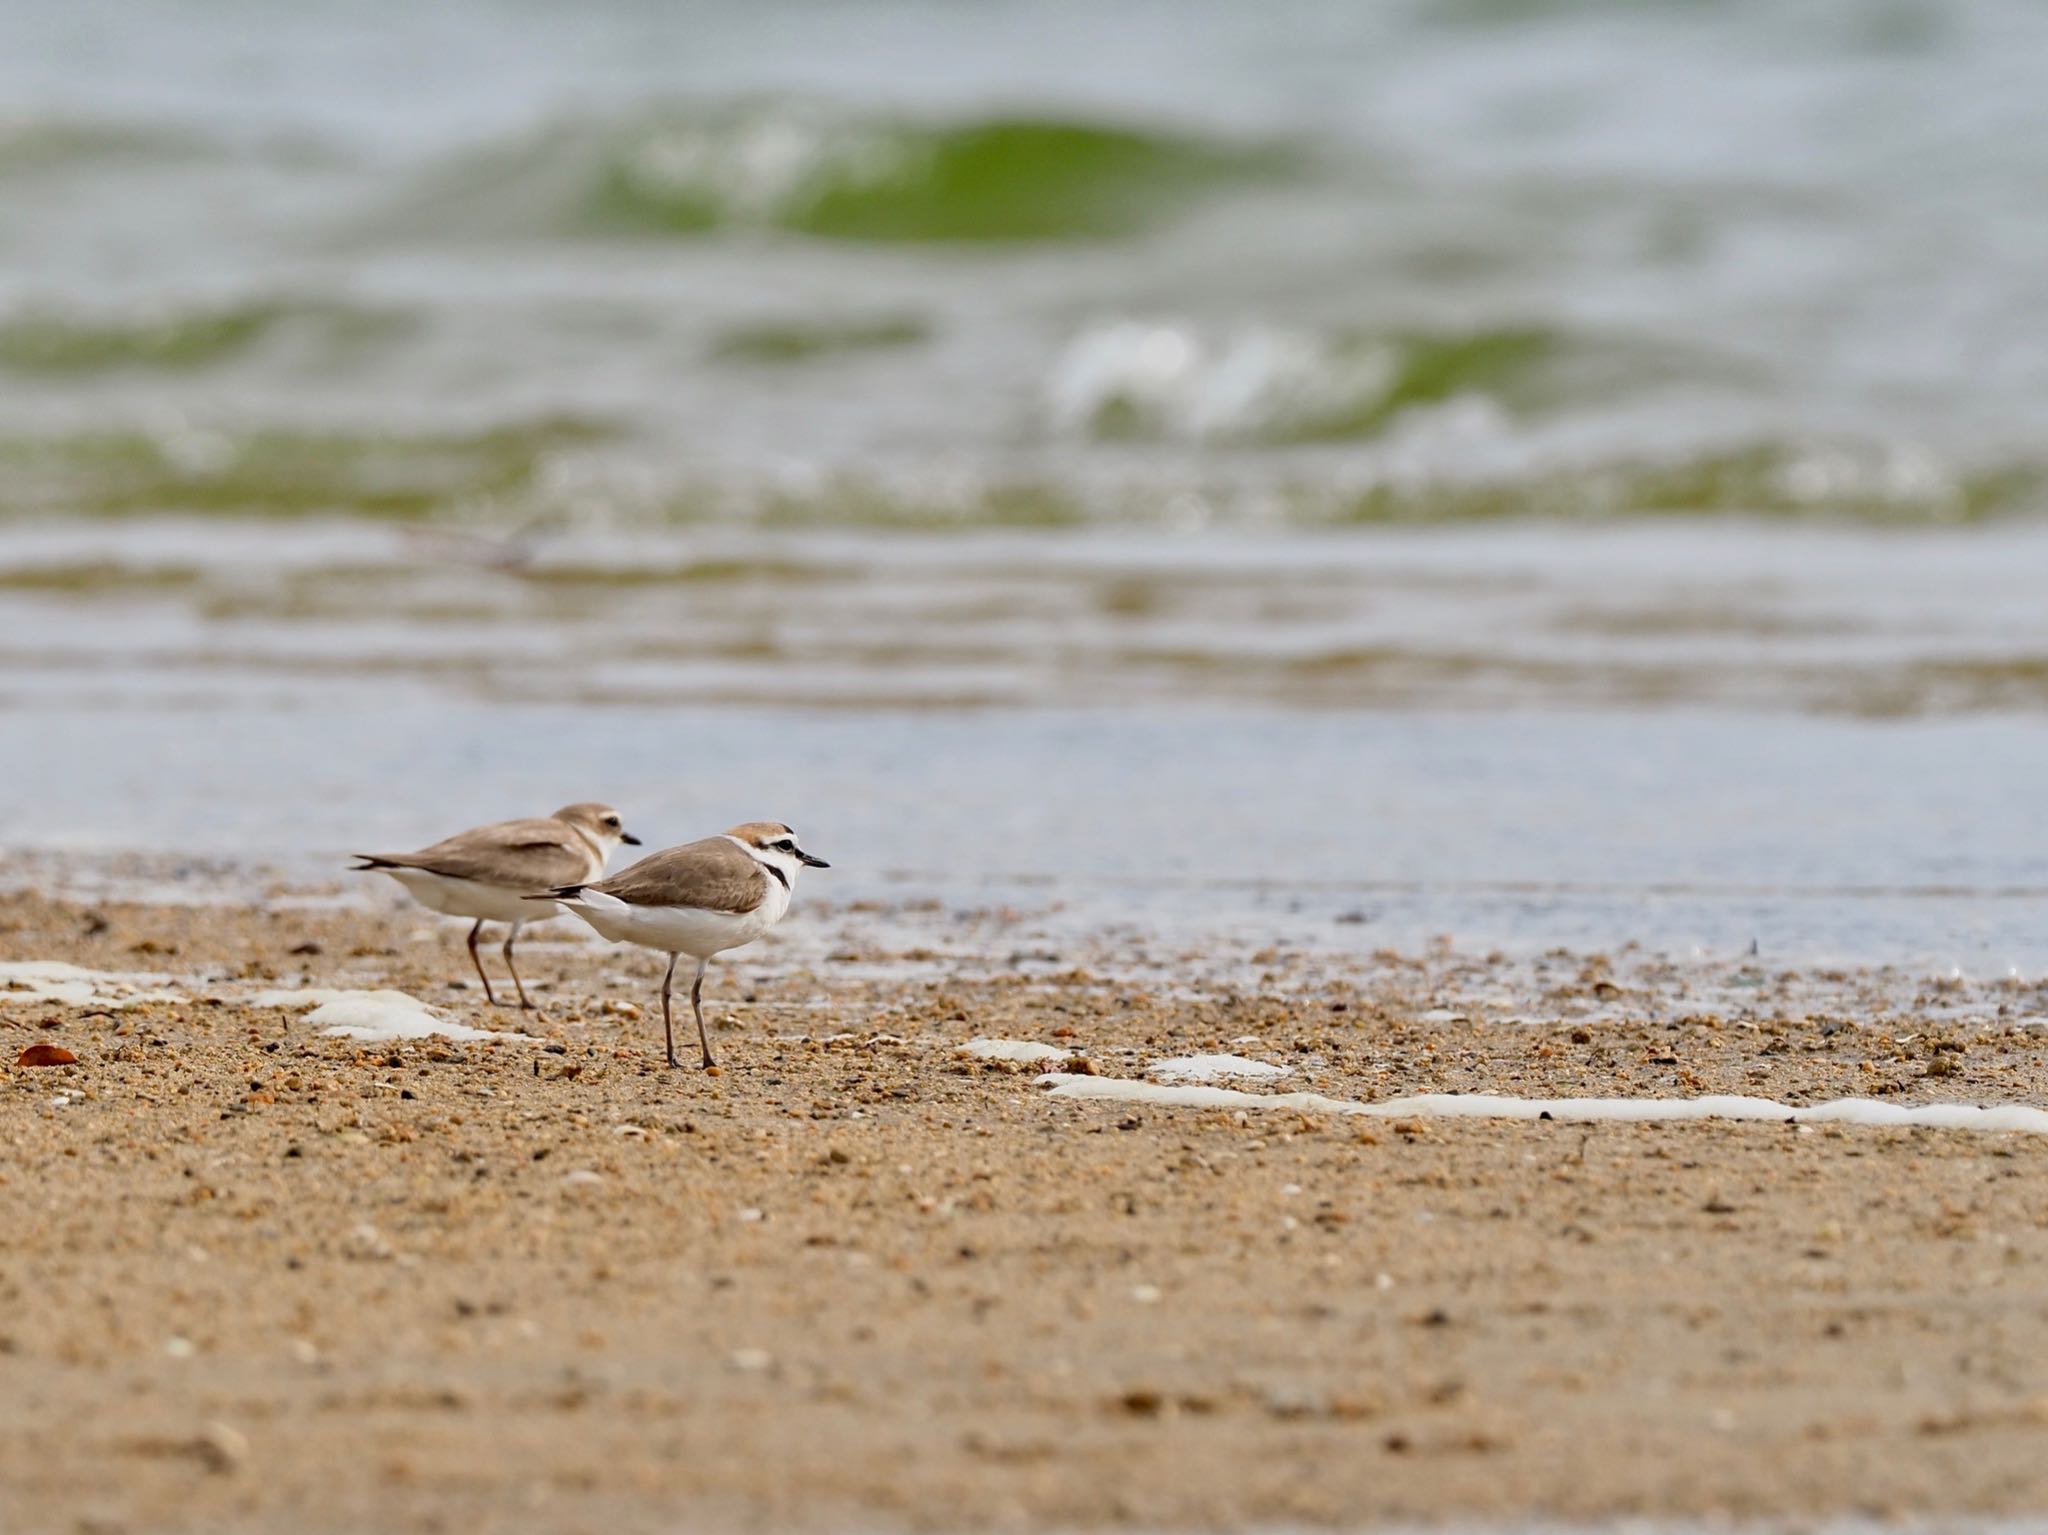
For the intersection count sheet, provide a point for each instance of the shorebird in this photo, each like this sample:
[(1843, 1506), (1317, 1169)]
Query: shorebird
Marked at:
[(485, 872), (698, 899)]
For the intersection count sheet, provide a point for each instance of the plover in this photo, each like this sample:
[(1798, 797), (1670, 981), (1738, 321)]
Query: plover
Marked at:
[(698, 899), (484, 873)]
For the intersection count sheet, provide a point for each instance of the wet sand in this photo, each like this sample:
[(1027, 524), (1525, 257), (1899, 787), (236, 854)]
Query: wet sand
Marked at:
[(253, 1277)]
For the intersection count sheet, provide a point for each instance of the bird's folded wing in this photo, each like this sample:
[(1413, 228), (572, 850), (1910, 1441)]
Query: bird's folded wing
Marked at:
[(711, 875), (526, 855)]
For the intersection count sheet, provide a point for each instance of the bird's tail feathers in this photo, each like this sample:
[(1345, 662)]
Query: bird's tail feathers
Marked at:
[(590, 898)]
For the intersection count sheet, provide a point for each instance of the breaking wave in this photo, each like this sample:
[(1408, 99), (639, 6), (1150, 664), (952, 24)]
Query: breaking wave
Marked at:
[(181, 467), (1269, 384), (833, 174), (32, 146), (177, 336), (570, 470)]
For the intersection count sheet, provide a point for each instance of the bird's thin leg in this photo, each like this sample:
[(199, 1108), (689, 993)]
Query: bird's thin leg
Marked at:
[(529, 1006), (697, 1006), (474, 959), (668, 1032)]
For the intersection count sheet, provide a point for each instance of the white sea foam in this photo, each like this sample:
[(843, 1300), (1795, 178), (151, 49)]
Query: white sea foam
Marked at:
[(1023, 1051), (1844, 1111), (49, 980), (1176, 379), (1211, 1068), (375, 1015)]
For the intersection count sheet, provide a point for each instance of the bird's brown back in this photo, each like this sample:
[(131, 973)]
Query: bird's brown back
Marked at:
[(714, 874), (519, 855)]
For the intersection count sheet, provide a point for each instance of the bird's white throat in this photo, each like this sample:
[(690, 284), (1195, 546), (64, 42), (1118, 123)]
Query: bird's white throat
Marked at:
[(782, 869)]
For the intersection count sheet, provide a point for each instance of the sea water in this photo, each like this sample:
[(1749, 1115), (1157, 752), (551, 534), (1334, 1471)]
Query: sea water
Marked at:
[(1307, 473)]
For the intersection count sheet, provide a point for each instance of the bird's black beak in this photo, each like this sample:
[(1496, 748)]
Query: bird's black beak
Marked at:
[(815, 863), (629, 839)]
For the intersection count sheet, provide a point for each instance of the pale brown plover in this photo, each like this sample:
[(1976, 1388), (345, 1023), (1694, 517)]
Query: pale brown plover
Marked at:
[(484, 873), (698, 899)]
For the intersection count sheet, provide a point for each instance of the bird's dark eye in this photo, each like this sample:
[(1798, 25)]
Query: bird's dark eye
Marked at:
[(787, 844), (611, 820)]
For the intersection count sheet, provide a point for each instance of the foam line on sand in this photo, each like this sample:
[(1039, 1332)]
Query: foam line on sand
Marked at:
[(1211, 1068), (1841, 1111), (1023, 1051), (51, 980), (375, 1015)]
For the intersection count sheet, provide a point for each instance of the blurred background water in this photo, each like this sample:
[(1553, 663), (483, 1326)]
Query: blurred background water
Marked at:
[(895, 366), (1025, 259)]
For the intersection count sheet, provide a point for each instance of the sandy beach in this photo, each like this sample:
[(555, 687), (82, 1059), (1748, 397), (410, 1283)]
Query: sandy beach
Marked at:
[(257, 1277)]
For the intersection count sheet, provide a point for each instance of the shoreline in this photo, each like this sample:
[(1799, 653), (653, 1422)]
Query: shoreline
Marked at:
[(502, 1281)]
